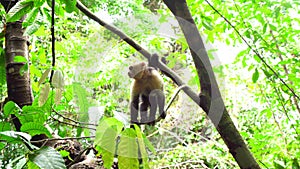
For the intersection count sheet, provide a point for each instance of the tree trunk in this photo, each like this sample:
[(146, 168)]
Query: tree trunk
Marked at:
[(211, 101), (18, 85)]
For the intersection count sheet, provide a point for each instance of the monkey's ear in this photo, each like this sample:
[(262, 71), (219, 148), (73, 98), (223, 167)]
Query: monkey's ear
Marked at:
[(143, 63)]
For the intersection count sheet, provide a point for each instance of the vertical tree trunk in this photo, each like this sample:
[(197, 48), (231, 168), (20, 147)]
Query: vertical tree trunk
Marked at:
[(211, 101), (16, 44)]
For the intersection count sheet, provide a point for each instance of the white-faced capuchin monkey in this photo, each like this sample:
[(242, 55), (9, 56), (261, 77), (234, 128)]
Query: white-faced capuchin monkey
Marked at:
[(147, 88)]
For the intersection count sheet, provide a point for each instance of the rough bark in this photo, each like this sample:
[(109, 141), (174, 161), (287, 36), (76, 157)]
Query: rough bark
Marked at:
[(210, 98)]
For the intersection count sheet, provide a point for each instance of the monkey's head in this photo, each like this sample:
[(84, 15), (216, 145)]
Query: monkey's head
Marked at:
[(137, 71)]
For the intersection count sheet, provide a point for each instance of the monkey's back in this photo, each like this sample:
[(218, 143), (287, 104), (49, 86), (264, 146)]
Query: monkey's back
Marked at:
[(150, 81)]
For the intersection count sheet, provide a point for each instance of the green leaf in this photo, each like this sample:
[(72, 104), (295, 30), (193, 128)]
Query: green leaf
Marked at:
[(35, 129), (108, 158), (64, 153), (207, 25), (24, 69), (58, 79), (17, 163), (32, 165), (58, 96), (295, 164), (244, 63), (38, 3), (30, 17), (44, 93), (11, 108), (46, 14), (279, 164), (128, 150), (272, 27), (149, 144), (248, 34), (267, 73), (34, 25), (82, 102), (34, 114), (33, 28), (108, 145), (142, 147), (44, 76), (2, 145), (21, 163), (257, 59), (265, 28), (267, 112), (106, 135), (70, 5), (14, 137), (104, 124), (20, 59), (5, 126), (41, 31), (19, 10), (255, 76), (47, 157)]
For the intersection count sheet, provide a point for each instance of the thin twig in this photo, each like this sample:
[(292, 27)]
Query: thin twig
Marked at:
[(74, 121), (74, 125), (65, 138)]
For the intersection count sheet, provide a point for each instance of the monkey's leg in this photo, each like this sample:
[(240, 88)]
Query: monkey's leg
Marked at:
[(134, 109), (144, 109), (161, 103), (153, 105)]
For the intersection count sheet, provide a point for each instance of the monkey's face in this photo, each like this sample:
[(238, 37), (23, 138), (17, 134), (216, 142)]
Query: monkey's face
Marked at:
[(136, 71)]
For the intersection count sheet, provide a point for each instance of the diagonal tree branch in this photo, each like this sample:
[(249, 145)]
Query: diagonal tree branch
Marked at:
[(153, 59)]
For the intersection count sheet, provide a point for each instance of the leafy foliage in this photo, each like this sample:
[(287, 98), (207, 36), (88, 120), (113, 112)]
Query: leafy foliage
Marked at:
[(47, 157), (91, 74)]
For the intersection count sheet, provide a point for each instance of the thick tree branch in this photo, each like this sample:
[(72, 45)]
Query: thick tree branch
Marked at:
[(211, 100)]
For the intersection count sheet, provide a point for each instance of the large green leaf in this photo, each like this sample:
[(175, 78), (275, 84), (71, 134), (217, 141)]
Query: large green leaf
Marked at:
[(11, 108), (104, 125), (106, 136), (47, 158), (82, 101), (35, 129), (108, 145), (128, 150), (31, 17), (19, 10), (34, 114)]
